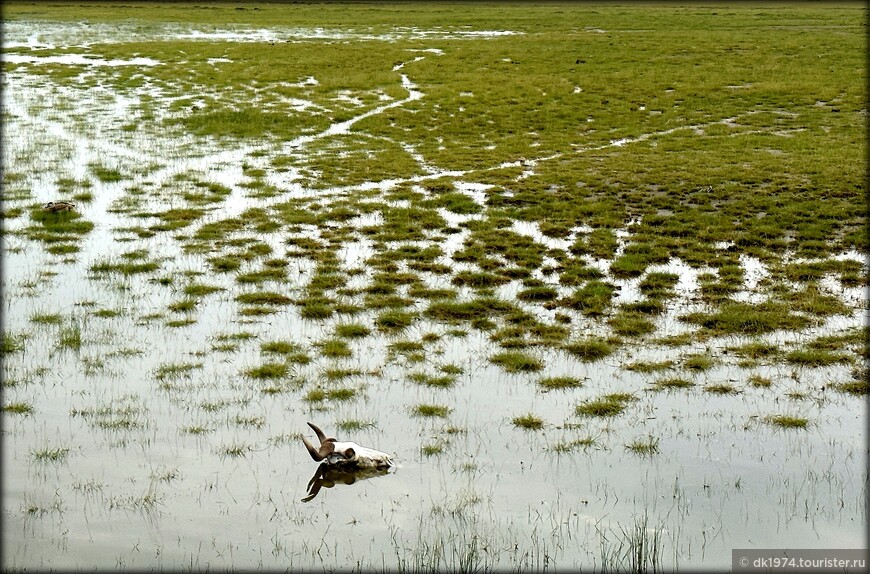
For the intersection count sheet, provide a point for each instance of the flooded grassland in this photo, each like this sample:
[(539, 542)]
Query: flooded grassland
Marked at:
[(594, 275)]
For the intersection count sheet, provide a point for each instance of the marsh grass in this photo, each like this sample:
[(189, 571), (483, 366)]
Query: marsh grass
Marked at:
[(57, 227), (590, 349), (427, 410), (815, 357), (517, 362), (234, 450), (18, 408), (432, 449), (759, 381), (721, 389), (394, 321), (352, 425), (649, 366), (644, 447), (123, 414), (566, 446), (787, 421), (593, 299), (443, 381), (756, 350), (124, 267), (352, 330), (70, 336), (606, 406), (636, 549), (672, 383), (622, 209), (698, 362), (631, 324), (738, 318), (268, 371), (565, 382), (324, 394), (856, 387), (50, 454), (528, 421), (335, 348), (11, 342)]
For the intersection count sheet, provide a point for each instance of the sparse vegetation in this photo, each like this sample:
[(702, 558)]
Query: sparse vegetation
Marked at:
[(607, 406), (528, 422), (788, 421), (389, 216)]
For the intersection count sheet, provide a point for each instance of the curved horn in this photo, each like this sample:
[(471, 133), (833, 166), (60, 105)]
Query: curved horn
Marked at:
[(318, 432), (318, 455)]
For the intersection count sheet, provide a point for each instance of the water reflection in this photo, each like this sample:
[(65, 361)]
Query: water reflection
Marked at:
[(328, 476)]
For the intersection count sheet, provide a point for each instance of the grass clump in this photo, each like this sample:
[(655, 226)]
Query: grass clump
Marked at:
[(605, 406), (593, 299), (856, 387), (758, 381), (268, 371), (721, 389), (528, 421), (18, 408), (390, 321), (631, 324), (570, 445), (11, 342), (320, 394), (292, 352), (756, 350), (352, 330), (698, 362), (738, 318), (658, 284), (516, 362), (552, 383), (46, 318), (200, 289), (125, 267), (48, 454), (70, 336), (351, 425), (538, 293), (335, 348), (672, 383), (646, 447), (432, 449), (430, 410), (428, 380), (590, 349), (787, 421), (263, 298), (479, 308), (815, 357), (174, 371), (649, 366)]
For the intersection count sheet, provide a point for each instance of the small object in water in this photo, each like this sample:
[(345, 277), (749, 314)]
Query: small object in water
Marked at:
[(346, 454), (55, 206)]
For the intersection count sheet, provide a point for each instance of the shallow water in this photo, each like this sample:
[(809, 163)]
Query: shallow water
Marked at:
[(148, 493)]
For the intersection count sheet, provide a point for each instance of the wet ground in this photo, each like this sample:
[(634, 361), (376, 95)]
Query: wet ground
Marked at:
[(148, 445)]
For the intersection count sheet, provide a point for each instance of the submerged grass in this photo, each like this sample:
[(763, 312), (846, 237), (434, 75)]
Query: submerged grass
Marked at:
[(517, 362), (606, 406), (788, 421), (528, 421)]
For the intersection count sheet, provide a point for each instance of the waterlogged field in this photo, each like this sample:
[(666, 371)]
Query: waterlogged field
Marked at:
[(595, 275)]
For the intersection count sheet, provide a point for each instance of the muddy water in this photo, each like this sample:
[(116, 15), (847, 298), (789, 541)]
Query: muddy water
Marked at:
[(146, 492)]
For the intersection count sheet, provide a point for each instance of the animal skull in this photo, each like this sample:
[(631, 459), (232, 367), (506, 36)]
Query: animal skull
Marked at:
[(346, 454)]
